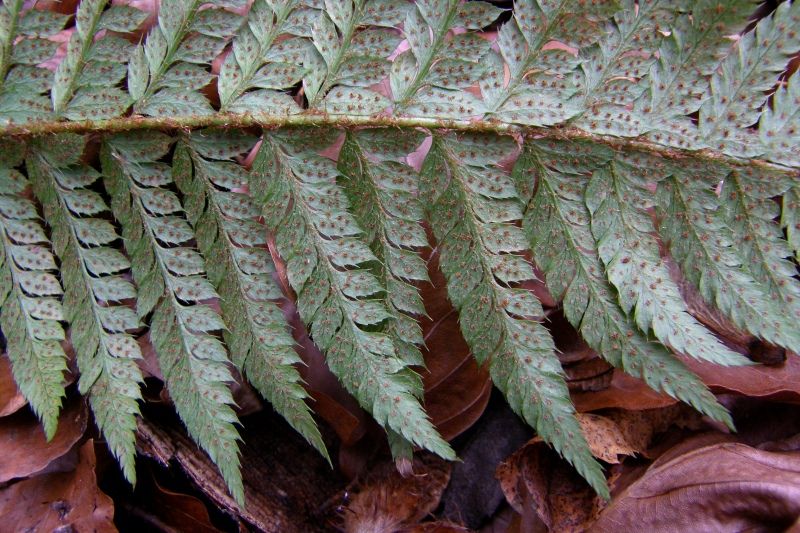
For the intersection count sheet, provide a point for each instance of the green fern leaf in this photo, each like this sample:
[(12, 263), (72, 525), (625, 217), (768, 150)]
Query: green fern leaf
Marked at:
[(30, 309), (750, 210), (779, 127), (383, 194), (171, 284), (428, 78), (610, 69), (678, 80), (790, 218), (23, 46), (472, 210), (317, 237), (253, 74), (738, 89), (706, 248), (185, 40), (539, 87), (241, 268), (557, 225), (85, 81), (351, 54), (619, 202), (93, 281)]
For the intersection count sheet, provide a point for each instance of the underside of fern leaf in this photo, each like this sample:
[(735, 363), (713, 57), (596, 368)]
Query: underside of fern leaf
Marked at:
[(641, 154)]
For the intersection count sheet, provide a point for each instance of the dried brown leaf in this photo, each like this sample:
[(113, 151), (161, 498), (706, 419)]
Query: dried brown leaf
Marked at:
[(64, 501), (11, 400)]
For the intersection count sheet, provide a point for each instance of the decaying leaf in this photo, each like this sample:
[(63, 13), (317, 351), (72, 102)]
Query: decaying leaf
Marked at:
[(11, 400), (387, 501), (64, 501), (23, 447)]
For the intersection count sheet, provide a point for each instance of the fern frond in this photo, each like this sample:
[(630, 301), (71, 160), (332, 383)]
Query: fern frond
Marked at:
[(790, 218), (751, 211), (779, 127), (428, 78), (30, 308), (165, 74), (170, 277), (383, 194), (94, 286), (472, 210), (85, 81), (557, 224), (23, 46), (318, 238), (619, 203), (678, 81), (241, 268), (738, 88), (610, 70), (258, 68), (709, 253), (352, 41), (539, 87)]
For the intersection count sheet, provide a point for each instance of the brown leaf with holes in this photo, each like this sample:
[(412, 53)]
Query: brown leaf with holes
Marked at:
[(720, 487), (11, 400), (388, 501), (64, 501), (23, 446)]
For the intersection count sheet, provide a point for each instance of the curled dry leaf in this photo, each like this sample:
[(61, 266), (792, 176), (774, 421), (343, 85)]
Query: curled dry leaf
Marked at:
[(24, 448), (721, 487), (388, 501), (11, 400), (64, 501)]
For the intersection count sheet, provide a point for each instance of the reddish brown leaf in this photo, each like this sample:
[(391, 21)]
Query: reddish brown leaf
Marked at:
[(11, 400), (180, 511), (388, 501), (625, 392), (456, 388), (23, 447), (64, 501), (721, 487), (778, 383)]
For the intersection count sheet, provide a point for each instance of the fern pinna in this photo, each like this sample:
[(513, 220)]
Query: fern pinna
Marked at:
[(626, 151)]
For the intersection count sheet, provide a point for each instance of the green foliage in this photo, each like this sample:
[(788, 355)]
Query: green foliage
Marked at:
[(94, 287), (601, 108), (30, 309)]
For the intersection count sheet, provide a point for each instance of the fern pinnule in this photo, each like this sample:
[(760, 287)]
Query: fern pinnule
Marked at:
[(30, 306), (241, 268), (94, 284), (258, 66), (84, 85), (166, 72), (557, 224), (694, 224), (320, 242), (472, 207), (620, 202), (171, 282), (23, 47), (739, 87), (383, 195)]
